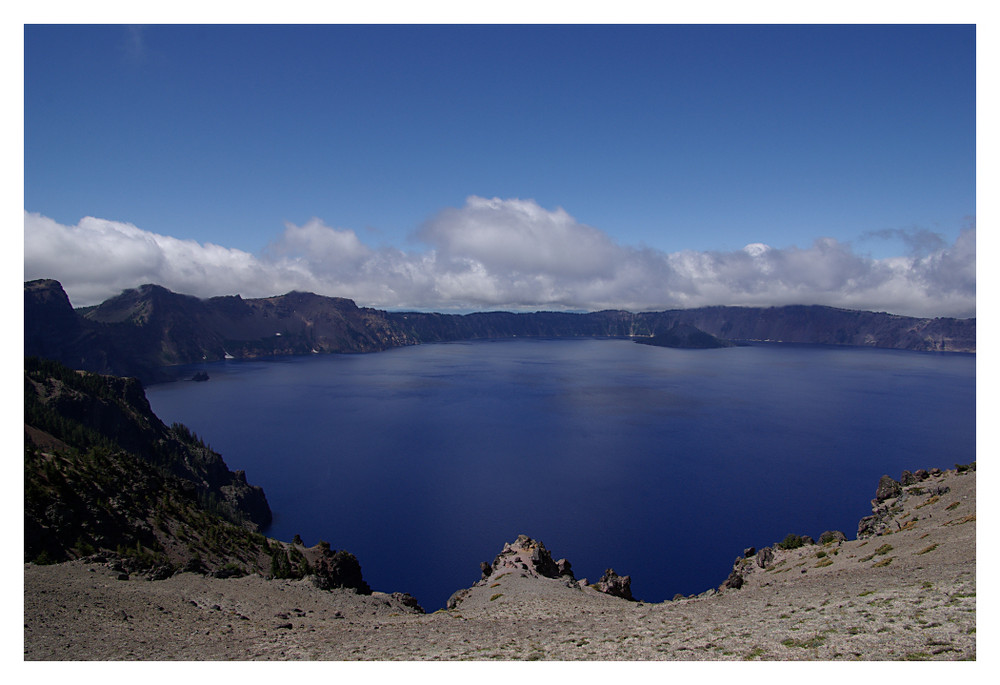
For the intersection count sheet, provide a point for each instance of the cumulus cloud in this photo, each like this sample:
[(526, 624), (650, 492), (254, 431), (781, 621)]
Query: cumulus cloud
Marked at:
[(506, 254), (518, 236)]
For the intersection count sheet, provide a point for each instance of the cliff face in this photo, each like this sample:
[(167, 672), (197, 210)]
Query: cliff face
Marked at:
[(797, 324), (831, 326), (144, 330), (84, 410)]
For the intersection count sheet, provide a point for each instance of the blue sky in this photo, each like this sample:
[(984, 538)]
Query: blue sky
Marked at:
[(472, 167)]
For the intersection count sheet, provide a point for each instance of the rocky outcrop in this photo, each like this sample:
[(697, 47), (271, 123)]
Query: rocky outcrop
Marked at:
[(615, 585), (528, 558), (336, 569), (887, 489), (891, 494)]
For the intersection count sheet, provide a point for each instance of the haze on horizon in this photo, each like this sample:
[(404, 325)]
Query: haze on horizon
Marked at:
[(456, 168)]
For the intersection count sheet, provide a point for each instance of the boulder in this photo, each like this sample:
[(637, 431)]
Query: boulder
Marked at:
[(615, 585), (161, 572), (734, 581), (887, 489), (408, 600), (765, 557), (832, 536)]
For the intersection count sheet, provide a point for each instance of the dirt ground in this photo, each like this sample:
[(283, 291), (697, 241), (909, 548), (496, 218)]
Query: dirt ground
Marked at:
[(909, 595)]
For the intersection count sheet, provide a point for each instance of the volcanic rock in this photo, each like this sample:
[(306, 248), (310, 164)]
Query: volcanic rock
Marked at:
[(615, 585)]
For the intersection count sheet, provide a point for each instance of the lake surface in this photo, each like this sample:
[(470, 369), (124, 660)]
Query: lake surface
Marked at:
[(663, 464)]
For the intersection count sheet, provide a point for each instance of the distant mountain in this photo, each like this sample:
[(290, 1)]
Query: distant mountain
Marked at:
[(143, 330)]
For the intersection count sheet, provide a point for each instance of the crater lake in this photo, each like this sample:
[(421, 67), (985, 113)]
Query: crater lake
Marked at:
[(663, 464)]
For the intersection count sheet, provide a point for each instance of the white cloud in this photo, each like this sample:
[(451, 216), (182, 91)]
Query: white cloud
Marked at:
[(518, 236), (494, 253)]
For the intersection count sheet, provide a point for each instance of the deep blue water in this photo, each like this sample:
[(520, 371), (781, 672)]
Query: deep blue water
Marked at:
[(663, 464)]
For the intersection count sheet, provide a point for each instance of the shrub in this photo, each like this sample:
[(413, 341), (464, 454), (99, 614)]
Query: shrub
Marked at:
[(83, 547), (791, 542), (43, 559)]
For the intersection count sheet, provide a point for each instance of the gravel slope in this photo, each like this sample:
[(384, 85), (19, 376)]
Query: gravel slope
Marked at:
[(856, 600)]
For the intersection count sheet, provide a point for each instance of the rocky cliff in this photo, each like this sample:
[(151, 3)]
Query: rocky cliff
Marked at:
[(87, 410), (144, 331)]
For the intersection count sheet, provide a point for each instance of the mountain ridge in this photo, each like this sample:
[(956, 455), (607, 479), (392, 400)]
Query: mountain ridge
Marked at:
[(143, 331)]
